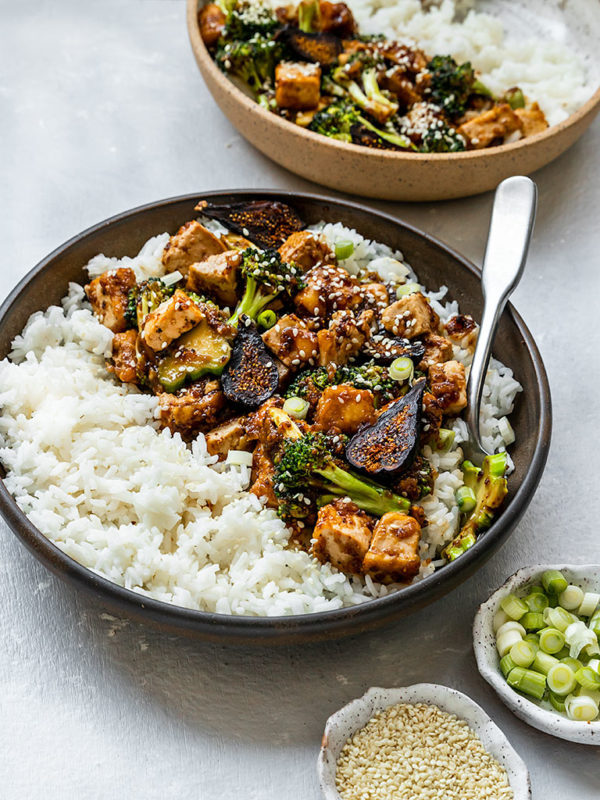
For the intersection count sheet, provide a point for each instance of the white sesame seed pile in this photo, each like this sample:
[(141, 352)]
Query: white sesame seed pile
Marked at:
[(418, 752)]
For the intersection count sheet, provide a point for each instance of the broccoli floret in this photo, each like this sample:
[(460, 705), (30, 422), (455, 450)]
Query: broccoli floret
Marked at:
[(489, 489), (335, 120), (305, 469), (451, 84), (144, 298), (309, 16), (367, 134), (369, 97), (266, 277), (441, 138), (308, 382), (252, 61), (245, 20)]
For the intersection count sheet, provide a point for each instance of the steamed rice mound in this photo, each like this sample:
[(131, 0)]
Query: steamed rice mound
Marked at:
[(86, 461)]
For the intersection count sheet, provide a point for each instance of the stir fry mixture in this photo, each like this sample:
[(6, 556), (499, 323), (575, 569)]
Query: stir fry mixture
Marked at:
[(310, 64), (328, 385)]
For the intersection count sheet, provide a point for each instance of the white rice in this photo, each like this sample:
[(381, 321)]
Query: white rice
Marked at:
[(87, 463)]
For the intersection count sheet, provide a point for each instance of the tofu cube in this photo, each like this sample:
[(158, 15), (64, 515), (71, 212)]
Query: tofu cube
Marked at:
[(291, 341), (305, 250), (217, 276), (346, 408), (341, 536), (448, 384), (297, 86), (175, 316), (109, 294), (191, 244), (124, 356), (410, 316), (437, 350), (393, 553)]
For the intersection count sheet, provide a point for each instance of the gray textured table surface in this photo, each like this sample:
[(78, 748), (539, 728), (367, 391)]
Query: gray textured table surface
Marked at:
[(103, 109)]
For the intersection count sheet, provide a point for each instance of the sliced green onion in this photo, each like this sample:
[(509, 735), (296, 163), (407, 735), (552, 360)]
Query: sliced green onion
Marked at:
[(561, 679), (527, 681), (505, 641), (551, 641), (571, 598), (554, 581), (239, 458), (514, 606), (401, 369), (466, 500), (266, 319), (536, 601), (594, 623), (445, 439), (511, 625), (581, 708), (532, 621), (558, 618), (544, 662), (588, 678), (507, 664), (343, 249), (296, 407), (589, 604), (500, 617), (565, 652), (594, 663), (574, 663), (407, 288), (172, 277), (533, 639), (522, 653), (536, 589), (558, 702), (578, 637)]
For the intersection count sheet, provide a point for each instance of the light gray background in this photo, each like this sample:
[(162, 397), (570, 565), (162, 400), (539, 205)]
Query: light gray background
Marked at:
[(102, 109)]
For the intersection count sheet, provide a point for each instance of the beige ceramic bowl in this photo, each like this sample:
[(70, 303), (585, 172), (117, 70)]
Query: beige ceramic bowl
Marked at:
[(385, 175)]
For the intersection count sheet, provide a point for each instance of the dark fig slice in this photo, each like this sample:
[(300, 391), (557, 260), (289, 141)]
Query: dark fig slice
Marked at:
[(385, 349), (266, 223), (251, 376), (318, 48), (387, 448)]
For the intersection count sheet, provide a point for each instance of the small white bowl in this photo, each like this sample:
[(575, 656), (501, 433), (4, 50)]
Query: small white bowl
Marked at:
[(341, 725), (484, 644)]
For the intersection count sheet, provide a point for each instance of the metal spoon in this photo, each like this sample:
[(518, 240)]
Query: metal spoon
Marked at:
[(510, 230)]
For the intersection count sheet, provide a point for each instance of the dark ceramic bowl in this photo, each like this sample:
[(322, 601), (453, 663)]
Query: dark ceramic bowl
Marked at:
[(435, 264)]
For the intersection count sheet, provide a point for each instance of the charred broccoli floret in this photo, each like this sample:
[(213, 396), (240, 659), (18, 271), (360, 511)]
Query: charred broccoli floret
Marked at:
[(305, 469), (266, 277), (245, 20), (369, 96), (451, 84), (308, 382), (441, 138), (252, 61), (144, 298), (342, 120), (309, 16)]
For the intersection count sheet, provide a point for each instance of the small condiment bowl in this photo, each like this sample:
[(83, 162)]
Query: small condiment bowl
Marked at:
[(484, 644), (354, 716)]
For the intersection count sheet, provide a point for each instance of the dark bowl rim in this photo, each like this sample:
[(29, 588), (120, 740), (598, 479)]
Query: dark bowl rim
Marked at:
[(303, 625)]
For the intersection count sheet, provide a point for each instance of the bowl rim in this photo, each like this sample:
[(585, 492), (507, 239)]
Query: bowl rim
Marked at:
[(483, 645), (311, 625), (591, 106), (431, 694)]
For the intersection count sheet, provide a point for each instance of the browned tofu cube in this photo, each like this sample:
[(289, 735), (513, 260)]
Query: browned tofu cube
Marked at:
[(410, 316), (437, 350), (376, 295), (231, 435), (108, 295), (497, 123), (346, 408), (173, 317), (291, 341), (297, 86), (306, 250), (217, 276), (124, 356), (196, 408), (344, 337), (342, 536), (463, 330), (263, 478), (394, 549), (191, 244), (212, 23), (532, 119), (449, 386)]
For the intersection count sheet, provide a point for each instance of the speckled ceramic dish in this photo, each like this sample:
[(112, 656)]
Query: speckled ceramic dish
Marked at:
[(356, 714), (390, 175), (540, 716), (436, 264)]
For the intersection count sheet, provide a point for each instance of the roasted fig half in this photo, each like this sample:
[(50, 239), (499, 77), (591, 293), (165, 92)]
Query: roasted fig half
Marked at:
[(387, 448), (318, 48), (385, 349), (266, 223), (251, 376)]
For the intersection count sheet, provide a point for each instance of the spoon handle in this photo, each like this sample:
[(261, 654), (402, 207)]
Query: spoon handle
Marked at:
[(510, 230)]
